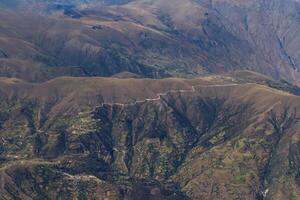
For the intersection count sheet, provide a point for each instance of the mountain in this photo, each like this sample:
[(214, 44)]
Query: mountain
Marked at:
[(94, 138), (151, 38), (149, 99)]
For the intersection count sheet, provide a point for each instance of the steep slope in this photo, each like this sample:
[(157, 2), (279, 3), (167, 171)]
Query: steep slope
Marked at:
[(257, 35), (152, 38), (54, 46), (202, 138)]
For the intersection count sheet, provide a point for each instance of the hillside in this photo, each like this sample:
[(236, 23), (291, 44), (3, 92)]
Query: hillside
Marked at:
[(150, 38), (149, 99), (93, 138)]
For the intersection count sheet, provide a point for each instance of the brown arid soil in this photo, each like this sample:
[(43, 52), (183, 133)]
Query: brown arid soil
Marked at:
[(233, 136), (153, 39), (149, 99)]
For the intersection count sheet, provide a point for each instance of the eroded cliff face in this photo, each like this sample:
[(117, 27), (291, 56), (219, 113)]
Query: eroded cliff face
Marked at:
[(225, 139)]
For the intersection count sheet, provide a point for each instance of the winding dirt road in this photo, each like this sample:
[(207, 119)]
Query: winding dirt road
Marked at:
[(159, 95)]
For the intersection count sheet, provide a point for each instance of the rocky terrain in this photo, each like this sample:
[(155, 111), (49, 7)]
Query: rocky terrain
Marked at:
[(147, 99), (218, 137)]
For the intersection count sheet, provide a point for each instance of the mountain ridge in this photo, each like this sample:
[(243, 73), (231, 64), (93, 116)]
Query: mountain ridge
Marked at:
[(149, 99), (155, 39), (69, 138)]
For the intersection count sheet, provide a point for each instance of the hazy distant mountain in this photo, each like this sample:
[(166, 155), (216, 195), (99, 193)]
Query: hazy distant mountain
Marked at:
[(15, 3), (156, 38)]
